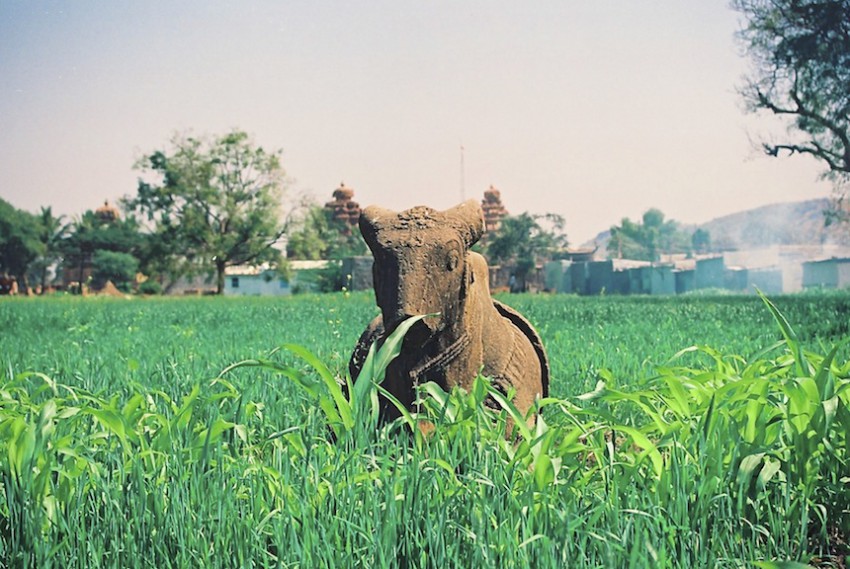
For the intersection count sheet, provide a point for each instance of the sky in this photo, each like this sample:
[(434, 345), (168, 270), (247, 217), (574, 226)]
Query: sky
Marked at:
[(592, 110)]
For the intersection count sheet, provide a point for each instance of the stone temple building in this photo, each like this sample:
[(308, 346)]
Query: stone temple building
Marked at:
[(343, 207), (494, 211), (107, 213)]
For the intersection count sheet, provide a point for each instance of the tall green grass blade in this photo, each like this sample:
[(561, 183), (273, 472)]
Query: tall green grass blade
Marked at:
[(342, 405), (788, 333), (374, 369)]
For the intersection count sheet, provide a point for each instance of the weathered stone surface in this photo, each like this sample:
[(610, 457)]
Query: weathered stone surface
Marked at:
[(423, 265)]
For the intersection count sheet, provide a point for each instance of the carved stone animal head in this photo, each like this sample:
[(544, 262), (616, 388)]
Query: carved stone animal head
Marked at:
[(421, 260)]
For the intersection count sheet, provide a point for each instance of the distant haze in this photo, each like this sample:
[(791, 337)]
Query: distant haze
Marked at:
[(798, 225), (593, 110)]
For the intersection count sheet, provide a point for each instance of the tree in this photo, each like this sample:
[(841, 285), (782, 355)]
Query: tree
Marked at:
[(120, 268), (800, 52), (319, 236), (522, 241), (646, 241), (701, 241), (212, 203), (19, 243), (51, 233), (92, 233)]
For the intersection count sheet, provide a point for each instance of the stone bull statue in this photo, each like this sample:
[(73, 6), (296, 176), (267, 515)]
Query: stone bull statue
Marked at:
[(423, 265)]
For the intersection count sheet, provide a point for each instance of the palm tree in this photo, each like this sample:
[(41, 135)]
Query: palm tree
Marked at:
[(51, 233)]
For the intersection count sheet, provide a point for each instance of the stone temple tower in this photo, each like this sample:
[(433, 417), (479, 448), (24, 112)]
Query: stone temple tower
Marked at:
[(494, 211), (343, 208)]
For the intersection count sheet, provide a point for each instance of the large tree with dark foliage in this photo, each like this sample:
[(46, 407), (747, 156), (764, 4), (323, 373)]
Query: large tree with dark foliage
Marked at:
[(212, 203), (800, 52), (524, 240), (647, 240), (19, 243), (89, 236)]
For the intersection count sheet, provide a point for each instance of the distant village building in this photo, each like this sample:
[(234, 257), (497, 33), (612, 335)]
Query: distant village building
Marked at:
[(243, 280), (710, 273), (357, 273), (580, 255), (494, 211), (827, 273), (343, 208), (246, 280)]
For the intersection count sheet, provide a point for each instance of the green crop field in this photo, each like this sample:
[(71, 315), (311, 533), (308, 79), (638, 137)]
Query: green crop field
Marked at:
[(681, 432)]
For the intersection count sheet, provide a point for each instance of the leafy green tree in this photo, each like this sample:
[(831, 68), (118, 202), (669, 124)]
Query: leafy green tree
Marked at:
[(78, 248), (319, 236), (309, 238), (524, 240), (90, 233), (800, 52), (701, 241), (648, 240), (19, 242), (212, 203), (120, 268)]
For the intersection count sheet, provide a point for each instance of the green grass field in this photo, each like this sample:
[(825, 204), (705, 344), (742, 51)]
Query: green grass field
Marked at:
[(122, 443)]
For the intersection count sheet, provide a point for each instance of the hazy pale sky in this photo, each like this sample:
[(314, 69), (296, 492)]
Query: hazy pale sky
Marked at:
[(593, 110)]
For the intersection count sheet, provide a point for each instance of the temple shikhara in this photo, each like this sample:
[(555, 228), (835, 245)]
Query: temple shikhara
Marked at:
[(343, 208), (107, 213), (494, 211)]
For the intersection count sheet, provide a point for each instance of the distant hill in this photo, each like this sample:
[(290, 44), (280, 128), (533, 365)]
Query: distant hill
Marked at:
[(795, 223)]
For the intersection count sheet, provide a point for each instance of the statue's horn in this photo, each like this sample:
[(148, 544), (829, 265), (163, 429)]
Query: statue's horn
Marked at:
[(372, 220), (468, 219)]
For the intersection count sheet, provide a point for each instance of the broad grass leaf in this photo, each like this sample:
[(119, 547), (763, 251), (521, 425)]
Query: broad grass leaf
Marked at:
[(184, 413), (770, 468), (513, 413), (597, 392), (823, 377), (435, 392), (679, 402), (336, 409), (406, 415), (111, 420), (377, 360), (375, 368), (544, 472), (788, 333), (747, 468), (802, 399), (782, 565), (21, 445), (343, 406), (642, 441)]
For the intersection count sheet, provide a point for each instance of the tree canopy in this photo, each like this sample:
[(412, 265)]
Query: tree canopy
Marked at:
[(800, 52), (211, 203), (649, 239), (318, 236), (19, 242), (524, 240), (91, 235)]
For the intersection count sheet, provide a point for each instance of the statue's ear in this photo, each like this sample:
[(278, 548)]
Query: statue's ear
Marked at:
[(468, 219), (372, 220)]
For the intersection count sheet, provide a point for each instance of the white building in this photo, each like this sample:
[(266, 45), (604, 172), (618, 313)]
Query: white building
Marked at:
[(244, 280)]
